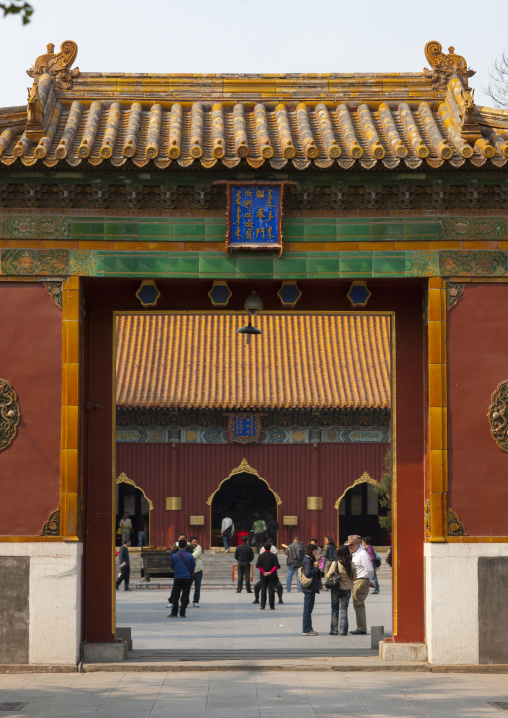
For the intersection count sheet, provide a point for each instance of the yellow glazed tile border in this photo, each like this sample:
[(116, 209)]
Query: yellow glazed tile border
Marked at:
[(69, 447), (437, 427)]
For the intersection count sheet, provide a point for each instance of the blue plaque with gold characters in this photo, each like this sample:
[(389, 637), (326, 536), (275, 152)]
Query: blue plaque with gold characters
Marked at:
[(244, 428), (254, 217)]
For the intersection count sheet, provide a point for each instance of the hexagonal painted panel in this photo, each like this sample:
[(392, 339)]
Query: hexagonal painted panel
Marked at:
[(289, 293), (359, 294), (148, 293), (220, 294)]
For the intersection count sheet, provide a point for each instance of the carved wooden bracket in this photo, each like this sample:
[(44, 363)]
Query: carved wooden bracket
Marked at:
[(52, 525), (455, 525), (54, 289), (9, 414), (453, 294)]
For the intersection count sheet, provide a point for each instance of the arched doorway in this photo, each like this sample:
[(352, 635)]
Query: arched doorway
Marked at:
[(241, 495), (133, 500), (358, 511)]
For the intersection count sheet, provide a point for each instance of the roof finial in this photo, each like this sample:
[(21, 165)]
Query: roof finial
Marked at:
[(445, 66), (57, 65)]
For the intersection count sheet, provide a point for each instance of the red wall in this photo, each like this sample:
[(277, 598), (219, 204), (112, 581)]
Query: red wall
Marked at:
[(477, 363), (30, 360), (292, 471)]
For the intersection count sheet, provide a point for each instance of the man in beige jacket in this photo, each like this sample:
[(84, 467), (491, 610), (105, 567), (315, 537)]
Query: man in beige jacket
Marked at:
[(365, 576)]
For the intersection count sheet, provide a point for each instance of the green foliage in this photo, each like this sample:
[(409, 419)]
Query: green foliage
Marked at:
[(384, 490), (18, 7)]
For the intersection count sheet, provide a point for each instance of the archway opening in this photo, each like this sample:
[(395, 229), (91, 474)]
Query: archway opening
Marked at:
[(241, 497), (132, 501), (359, 511)]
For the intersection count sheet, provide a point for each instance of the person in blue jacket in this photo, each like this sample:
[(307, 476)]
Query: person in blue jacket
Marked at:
[(311, 570), (183, 564)]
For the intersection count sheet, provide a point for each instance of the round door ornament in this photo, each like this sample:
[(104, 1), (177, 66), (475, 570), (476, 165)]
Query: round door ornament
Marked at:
[(498, 416), (9, 414)]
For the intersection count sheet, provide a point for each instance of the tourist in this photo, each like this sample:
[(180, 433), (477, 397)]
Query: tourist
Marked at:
[(330, 554), (272, 526), (227, 530), (244, 555), (259, 531), (310, 569), (142, 534), (374, 559), (268, 563), (183, 565), (181, 537), (125, 567), (364, 579), (314, 542), (125, 528), (294, 553), (278, 584), (197, 552), (344, 567)]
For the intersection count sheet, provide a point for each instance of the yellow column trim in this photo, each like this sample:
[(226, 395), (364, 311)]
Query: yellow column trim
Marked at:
[(69, 445), (437, 421)]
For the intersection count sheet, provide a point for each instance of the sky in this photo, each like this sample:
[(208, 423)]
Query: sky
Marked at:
[(251, 36)]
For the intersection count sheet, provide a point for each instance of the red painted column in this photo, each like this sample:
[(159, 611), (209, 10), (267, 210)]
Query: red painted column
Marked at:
[(99, 546)]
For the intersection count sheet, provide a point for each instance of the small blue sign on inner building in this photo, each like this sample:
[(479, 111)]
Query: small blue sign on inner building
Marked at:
[(254, 217)]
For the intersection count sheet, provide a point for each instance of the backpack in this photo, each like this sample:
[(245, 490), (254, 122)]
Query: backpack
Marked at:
[(227, 531), (377, 562)]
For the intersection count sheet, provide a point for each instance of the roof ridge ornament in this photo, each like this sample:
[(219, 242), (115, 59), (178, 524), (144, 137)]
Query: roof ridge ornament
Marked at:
[(57, 65), (444, 66)]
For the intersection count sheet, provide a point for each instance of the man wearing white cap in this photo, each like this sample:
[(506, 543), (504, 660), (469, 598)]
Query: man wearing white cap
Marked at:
[(365, 576)]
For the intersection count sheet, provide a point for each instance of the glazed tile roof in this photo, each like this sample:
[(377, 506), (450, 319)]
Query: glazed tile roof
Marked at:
[(341, 121), (299, 361)]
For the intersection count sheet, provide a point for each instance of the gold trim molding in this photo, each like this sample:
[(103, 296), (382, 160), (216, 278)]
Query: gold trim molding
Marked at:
[(365, 478), (244, 468), (124, 479), (9, 414)]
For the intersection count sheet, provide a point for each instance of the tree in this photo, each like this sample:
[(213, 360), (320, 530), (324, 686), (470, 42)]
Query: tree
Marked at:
[(18, 7), (497, 89), (384, 489)]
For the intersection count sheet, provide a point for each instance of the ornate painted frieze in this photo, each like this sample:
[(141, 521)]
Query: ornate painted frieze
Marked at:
[(472, 263), (455, 525), (474, 228), (30, 262), (269, 435), (35, 227), (9, 414), (453, 293), (83, 263), (52, 525), (244, 428), (424, 263), (498, 416), (427, 518)]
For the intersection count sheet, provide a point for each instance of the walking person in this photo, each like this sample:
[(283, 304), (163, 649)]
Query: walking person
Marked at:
[(330, 555), (227, 530), (244, 555), (294, 553), (183, 565), (125, 566), (310, 570), (364, 579), (374, 559), (259, 531), (125, 527), (197, 552), (268, 563), (344, 567)]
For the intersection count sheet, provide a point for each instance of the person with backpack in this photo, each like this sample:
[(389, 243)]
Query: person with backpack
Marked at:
[(340, 581), (375, 559), (310, 578), (294, 553), (227, 530)]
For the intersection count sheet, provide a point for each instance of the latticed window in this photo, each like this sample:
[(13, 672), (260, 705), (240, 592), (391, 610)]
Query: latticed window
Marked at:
[(356, 505), (129, 504), (372, 501)]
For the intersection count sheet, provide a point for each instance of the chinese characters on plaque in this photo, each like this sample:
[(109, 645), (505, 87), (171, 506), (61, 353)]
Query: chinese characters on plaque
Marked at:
[(254, 220), (244, 428)]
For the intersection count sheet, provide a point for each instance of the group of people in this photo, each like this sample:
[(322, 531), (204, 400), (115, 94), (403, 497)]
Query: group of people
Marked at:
[(260, 532), (349, 569), (125, 529)]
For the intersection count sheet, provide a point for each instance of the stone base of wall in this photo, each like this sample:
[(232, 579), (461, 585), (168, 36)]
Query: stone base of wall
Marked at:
[(390, 651), (40, 603), (465, 590)]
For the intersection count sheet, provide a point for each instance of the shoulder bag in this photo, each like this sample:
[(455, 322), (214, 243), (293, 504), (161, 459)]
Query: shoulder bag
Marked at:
[(304, 580), (333, 583)]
